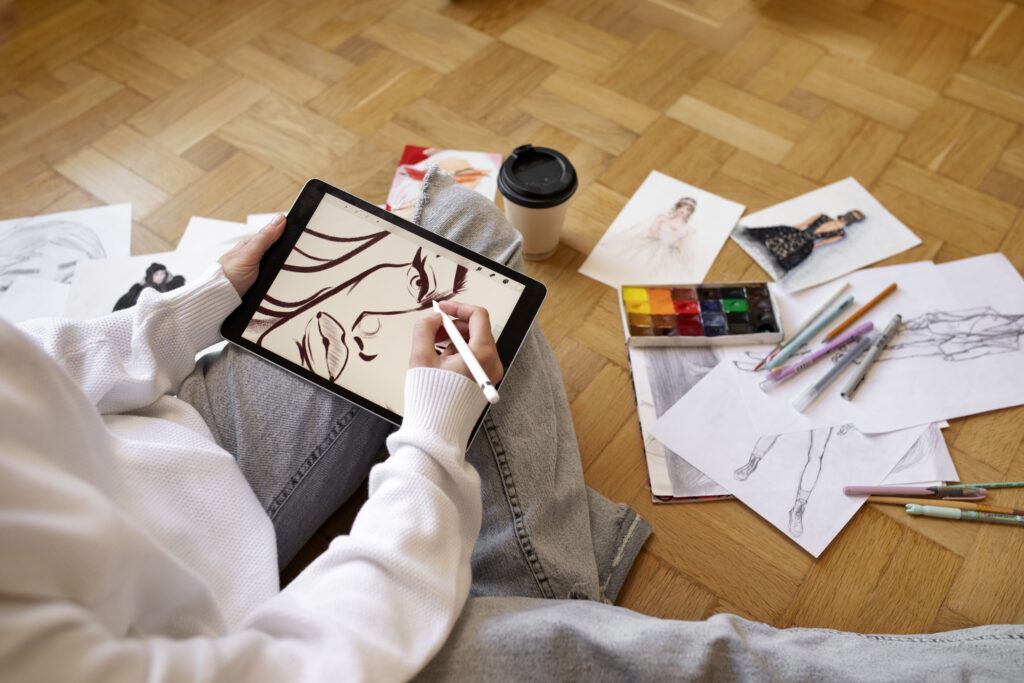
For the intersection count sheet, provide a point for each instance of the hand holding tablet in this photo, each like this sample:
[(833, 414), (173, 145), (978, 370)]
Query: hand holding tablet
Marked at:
[(339, 295)]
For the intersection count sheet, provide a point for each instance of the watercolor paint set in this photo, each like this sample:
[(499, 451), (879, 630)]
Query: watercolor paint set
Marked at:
[(700, 315)]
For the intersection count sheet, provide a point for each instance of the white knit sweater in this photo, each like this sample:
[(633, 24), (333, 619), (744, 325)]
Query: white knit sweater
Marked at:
[(131, 547)]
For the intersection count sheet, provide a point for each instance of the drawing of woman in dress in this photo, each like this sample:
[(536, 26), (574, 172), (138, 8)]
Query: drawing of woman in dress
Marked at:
[(791, 246), (660, 243), (958, 335)]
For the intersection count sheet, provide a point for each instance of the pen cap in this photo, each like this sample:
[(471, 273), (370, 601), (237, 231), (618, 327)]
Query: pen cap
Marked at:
[(934, 511), (805, 399)]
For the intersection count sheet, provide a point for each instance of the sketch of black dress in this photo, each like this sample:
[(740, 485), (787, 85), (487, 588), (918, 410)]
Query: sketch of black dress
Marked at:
[(814, 444), (958, 335), (48, 250)]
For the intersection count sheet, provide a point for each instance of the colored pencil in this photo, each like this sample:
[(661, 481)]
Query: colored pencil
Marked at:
[(804, 325), (856, 315), (962, 504)]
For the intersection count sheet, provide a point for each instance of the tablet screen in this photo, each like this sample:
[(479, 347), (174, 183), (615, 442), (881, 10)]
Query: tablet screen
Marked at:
[(344, 302)]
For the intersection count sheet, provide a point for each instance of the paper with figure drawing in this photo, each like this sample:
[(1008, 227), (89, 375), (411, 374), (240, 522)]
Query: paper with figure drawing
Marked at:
[(821, 235), (30, 297), (348, 295), (668, 233), (107, 285), (958, 352), (793, 480), (49, 247)]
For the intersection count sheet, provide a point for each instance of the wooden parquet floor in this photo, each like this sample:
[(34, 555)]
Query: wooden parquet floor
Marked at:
[(223, 108)]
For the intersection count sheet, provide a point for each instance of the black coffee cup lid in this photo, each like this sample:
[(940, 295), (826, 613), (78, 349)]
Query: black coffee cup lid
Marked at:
[(537, 177)]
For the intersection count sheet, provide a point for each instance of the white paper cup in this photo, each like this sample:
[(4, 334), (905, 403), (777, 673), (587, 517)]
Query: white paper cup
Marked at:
[(537, 183)]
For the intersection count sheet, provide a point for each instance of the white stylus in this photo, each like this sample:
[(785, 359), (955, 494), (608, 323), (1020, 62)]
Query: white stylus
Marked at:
[(490, 393)]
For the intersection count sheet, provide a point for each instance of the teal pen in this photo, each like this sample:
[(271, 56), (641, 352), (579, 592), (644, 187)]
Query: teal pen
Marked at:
[(813, 329), (971, 515)]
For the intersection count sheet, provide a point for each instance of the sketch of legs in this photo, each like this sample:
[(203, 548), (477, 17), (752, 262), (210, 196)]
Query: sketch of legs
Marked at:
[(761, 448), (808, 478)]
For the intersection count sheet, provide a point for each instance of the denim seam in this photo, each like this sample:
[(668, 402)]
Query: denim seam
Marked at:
[(315, 456), (518, 517), (623, 544)]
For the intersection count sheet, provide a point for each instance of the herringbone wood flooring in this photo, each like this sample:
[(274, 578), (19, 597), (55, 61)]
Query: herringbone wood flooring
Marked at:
[(223, 108)]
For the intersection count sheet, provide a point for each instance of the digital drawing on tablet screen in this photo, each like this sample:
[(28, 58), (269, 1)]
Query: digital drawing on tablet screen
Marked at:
[(346, 299)]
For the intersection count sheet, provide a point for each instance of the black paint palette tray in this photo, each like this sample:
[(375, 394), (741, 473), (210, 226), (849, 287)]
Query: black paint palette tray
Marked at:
[(732, 313)]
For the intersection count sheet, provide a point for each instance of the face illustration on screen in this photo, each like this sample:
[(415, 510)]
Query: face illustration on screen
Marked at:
[(345, 302)]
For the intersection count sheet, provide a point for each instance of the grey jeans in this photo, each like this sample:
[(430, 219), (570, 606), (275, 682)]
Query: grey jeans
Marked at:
[(305, 451), (544, 534)]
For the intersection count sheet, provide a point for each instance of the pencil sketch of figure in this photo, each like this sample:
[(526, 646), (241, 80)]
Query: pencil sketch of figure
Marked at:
[(331, 324), (672, 373), (48, 250), (792, 245), (929, 443), (662, 242), (816, 443), (958, 335), (156, 278)]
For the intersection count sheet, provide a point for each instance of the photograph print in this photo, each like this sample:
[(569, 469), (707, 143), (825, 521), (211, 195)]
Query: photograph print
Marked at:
[(668, 233), (822, 235)]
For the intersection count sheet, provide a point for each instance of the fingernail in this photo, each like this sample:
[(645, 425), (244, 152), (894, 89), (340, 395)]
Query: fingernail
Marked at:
[(278, 219)]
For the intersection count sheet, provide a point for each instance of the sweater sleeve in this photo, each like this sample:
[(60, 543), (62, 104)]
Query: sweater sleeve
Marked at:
[(376, 605), (128, 359)]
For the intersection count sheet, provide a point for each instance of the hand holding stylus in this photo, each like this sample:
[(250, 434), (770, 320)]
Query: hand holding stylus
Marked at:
[(474, 325)]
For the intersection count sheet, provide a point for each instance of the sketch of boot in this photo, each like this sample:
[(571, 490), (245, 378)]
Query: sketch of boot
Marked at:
[(796, 515), (742, 473)]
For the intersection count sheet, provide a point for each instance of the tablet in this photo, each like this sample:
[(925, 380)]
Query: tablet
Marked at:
[(338, 294)]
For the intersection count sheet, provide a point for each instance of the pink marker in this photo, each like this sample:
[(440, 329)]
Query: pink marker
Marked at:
[(948, 492), (776, 377)]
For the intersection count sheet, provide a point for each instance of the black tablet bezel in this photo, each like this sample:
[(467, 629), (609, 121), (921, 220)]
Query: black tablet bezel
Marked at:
[(512, 335)]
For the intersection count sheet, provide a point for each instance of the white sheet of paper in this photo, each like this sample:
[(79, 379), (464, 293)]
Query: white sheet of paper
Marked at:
[(211, 233), (258, 220), (772, 474), (958, 353), (653, 242), (878, 236), (98, 285), (928, 460), (30, 297), (48, 247)]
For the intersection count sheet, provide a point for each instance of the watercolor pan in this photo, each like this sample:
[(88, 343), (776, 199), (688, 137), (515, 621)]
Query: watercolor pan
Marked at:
[(716, 314)]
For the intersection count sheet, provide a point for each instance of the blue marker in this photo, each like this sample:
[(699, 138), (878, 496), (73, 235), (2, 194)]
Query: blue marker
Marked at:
[(812, 330)]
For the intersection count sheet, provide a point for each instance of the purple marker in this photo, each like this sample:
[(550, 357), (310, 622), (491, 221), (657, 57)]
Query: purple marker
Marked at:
[(777, 377)]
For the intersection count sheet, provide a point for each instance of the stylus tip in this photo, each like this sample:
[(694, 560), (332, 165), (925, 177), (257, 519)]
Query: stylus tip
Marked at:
[(491, 394)]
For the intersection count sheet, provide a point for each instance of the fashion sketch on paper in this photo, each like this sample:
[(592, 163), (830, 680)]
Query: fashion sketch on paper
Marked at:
[(156, 278), (47, 250), (790, 246), (336, 327), (663, 242), (814, 444), (958, 335)]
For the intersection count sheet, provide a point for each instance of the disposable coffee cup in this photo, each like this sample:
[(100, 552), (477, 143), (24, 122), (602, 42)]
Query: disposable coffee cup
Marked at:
[(537, 183)]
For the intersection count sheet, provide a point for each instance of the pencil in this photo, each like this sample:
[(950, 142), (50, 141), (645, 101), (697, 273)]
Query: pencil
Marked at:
[(804, 325), (859, 312), (962, 504), (990, 485)]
